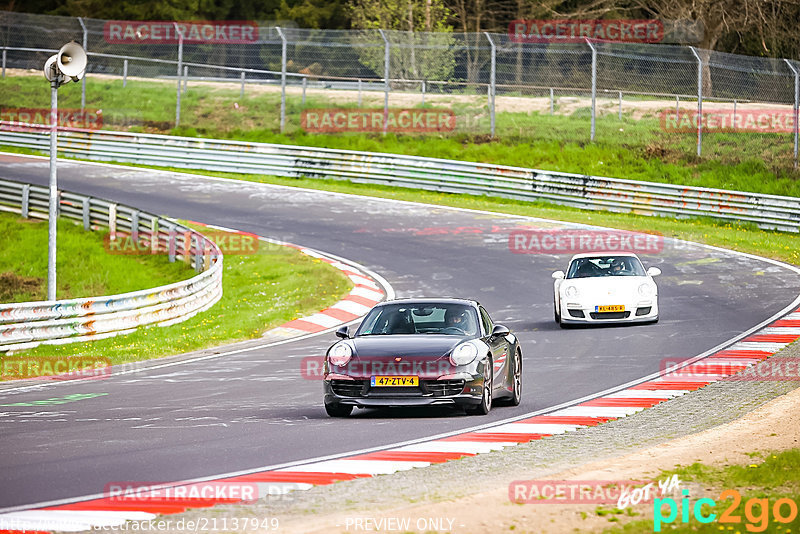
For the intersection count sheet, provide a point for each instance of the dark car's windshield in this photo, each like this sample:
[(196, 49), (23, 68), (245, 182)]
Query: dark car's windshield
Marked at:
[(605, 266), (449, 319)]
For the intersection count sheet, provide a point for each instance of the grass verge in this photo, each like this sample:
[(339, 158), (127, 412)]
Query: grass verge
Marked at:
[(632, 148), (84, 268), (260, 291), (757, 495)]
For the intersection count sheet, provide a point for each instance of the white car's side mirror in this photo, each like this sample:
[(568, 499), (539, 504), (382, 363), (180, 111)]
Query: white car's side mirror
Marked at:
[(653, 271), (558, 275)]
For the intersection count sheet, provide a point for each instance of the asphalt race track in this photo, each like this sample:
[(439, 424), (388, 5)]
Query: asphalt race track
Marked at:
[(254, 409)]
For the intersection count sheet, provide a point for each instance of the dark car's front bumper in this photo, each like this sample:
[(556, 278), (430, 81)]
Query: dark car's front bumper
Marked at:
[(430, 392)]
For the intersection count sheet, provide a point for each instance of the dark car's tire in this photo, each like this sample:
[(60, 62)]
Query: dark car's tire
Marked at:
[(516, 380), (338, 410), (485, 405)]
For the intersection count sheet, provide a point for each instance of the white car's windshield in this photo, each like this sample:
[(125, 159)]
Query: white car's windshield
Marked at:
[(450, 319), (605, 266)]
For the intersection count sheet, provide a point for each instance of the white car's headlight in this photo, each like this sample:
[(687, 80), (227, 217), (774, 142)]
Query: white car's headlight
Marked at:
[(646, 290), (464, 354), (571, 291), (340, 354)]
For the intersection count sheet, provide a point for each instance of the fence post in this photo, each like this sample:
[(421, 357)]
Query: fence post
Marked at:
[(4, 62), (796, 106), (305, 83), (594, 87), (83, 79), (492, 85), (359, 92), (180, 65), (283, 78), (386, 58), (423, 92), (241, 92), (551, 101), (620, 106), (124, 73), (185, 77), (677, 107), (699, 100)]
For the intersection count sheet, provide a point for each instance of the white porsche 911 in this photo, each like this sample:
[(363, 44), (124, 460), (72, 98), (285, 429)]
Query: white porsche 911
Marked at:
[(610, 287)]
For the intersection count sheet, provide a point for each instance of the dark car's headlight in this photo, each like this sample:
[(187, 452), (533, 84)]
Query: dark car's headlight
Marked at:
[(464, 354), (340, 354)]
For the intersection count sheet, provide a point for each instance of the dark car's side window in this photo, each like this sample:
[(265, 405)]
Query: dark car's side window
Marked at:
[(487, 321)]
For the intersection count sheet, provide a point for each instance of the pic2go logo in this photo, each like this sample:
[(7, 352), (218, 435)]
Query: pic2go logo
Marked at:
[(756, 511)]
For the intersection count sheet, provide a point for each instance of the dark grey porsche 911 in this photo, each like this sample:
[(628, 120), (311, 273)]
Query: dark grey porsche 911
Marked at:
[(423, 352)]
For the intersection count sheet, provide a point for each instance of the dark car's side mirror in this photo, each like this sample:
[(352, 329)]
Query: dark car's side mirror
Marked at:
[(500, 330), (343, 332)]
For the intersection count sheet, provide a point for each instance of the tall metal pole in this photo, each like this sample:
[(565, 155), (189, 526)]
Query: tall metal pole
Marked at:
[(53, 206), (180, 69), (492, 85), (796, 106), (283, 78), (699, 100), (594, 87), (386, 58), (83, 80)]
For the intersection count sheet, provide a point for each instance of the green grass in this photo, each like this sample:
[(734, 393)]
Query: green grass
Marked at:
[(632, 149), (260, 291), (769, 477), (83, 267)]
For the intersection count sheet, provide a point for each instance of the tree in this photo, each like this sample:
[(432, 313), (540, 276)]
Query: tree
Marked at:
[(421, 40)]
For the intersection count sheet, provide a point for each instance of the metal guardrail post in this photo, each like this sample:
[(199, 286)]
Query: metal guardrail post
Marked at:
[(26, 199), (124, 73), (594, 88), (423, 92), (135, 226), (171, 245), (185, 77), (492, 86), (305, 83), (619, 116), (386, 59), (283, 78), (180, 68), (83, 80), (796, 106), (85, 213), (699, 100), (677, 107), (154, 235), (241, 91), (551, 101), (359, 92), (4, 62)]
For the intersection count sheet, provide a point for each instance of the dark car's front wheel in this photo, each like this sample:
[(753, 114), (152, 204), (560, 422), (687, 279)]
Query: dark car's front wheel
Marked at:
[(338, 410), (485, 405)]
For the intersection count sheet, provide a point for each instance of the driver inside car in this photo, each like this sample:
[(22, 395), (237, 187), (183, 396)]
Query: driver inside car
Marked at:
[(459, 319)]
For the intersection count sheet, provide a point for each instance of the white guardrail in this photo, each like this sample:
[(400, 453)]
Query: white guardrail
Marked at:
[(28, 324), (586, 192)]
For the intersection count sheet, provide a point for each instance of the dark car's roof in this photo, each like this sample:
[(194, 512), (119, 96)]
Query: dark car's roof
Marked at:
[(430, 300)]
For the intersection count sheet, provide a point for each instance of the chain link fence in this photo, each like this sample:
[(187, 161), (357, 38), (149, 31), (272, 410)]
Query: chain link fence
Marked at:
[(595, 90)]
